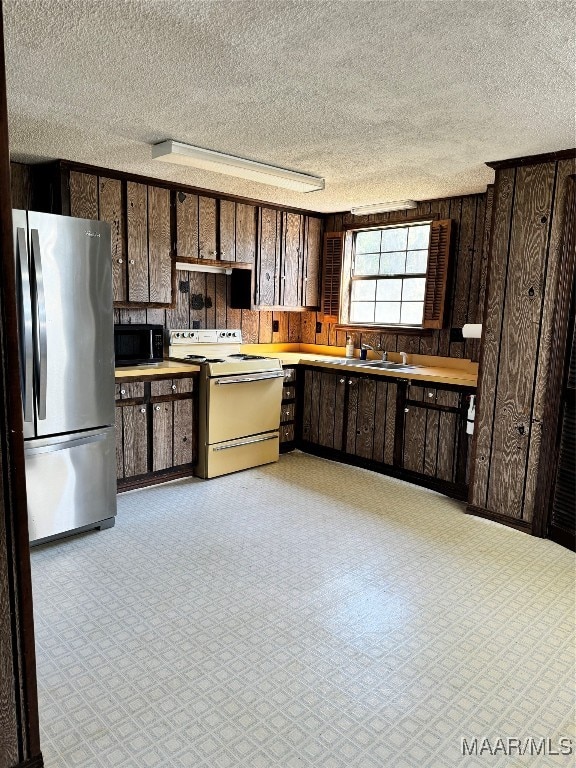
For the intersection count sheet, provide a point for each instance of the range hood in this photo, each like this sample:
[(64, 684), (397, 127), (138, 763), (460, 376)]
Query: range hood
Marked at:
[(215, 270)]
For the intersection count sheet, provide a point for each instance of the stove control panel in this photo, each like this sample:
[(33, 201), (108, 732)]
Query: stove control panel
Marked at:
[(208, 336)]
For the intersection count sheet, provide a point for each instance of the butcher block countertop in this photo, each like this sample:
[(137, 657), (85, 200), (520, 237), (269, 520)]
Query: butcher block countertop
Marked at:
[(442, 370), (167, 368)]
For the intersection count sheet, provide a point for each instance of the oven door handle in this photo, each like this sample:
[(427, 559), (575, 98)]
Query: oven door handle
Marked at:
[(249, 379), (245, 442)]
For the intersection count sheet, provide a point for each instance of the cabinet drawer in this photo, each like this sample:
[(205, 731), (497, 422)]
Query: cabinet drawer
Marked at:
[(289, 374), (163, 387), (183, 386), (289, 393), (286, 433), (287, 412), (132, 390)]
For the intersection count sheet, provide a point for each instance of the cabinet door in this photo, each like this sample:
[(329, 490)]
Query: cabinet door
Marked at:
[(291, 283), (159, 245), (245, 233), (119, 443), (268, 257), (227, 244), (184, 439), (360, 419), (112, 211), (206, 227), (385, 421), (186, 226), (323, 408), (312, 250), (162, 434), (137, 222), (135, 439), (83, 195)]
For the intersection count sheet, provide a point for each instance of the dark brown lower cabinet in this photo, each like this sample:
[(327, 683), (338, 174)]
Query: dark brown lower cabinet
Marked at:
[(288, 411), (155, 437), (387, 425)]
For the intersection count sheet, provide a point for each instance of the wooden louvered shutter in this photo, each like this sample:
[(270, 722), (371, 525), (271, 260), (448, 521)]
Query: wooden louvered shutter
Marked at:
[(332, 274), (437, 273)]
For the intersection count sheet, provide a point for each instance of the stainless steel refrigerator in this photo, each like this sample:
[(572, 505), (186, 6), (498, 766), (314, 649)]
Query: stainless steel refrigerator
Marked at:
[(66, 330)]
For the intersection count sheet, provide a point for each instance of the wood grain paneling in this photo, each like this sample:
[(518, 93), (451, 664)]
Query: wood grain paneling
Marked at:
[(21, 186), (183, 432), (119, 430), (206, 227), (246, 226), (492, 330), (227, 214), (268, 257), (186, 226), (135, 439), (519, 338), (312, 258), (83, 195), (291, 259), (111, 210), (137, 223), (159, 245), (162, 444)]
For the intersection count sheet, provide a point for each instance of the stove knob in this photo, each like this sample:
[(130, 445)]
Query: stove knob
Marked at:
[(177, 335), (186, 335)]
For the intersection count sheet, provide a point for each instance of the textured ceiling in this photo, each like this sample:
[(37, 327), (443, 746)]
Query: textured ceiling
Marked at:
[(386, 100)]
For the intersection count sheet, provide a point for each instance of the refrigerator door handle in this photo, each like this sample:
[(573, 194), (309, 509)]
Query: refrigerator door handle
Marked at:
[(64, 445), (40, 325), (27, 352)]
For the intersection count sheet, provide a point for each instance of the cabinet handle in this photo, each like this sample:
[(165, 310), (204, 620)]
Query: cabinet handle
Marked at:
[(406, 410), (122, 391), (430, 394), (342, 381), (157, 407), (350, 381), (132, 261), (119, 261), (174, 387), (142, 410)]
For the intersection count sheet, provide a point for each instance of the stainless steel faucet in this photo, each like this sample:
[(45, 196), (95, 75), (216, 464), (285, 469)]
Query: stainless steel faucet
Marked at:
[(384, 355), (404, 357)]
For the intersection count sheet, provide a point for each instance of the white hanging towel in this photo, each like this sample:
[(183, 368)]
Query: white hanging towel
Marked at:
[(471, 415)]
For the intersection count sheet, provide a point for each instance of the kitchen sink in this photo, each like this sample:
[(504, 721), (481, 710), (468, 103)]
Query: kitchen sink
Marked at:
[(380, 364)]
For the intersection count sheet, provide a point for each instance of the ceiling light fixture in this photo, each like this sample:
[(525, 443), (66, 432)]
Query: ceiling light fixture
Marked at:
[(208, 160), (393, 205)]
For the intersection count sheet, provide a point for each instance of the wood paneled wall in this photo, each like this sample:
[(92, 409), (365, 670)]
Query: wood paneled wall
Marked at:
[(529, 212), (214, 289), (471, 216)]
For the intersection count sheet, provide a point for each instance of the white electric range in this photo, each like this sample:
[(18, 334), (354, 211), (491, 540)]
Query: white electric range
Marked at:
[(239, 400)]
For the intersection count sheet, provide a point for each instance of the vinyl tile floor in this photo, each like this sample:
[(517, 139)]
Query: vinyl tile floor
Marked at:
[(304, 614)]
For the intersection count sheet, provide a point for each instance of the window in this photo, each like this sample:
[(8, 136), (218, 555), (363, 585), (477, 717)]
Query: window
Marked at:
[(388, 275)]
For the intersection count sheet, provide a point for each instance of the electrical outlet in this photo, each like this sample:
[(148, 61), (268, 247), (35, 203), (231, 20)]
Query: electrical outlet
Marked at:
[(275, 326), (318, 327)]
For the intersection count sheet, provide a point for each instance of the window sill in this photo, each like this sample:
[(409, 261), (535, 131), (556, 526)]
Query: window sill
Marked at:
[(405, 330)]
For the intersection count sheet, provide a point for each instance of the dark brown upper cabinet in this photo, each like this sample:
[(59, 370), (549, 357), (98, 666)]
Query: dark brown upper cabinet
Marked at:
[(140, 221)]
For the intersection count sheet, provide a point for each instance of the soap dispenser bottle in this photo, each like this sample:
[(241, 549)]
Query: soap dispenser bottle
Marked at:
[(349, 347)]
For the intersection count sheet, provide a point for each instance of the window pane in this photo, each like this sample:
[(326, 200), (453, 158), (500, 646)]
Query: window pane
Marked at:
[(393, 263), (368, 242), (363, 290), (389, 290), (416, 261), (387, 312), (394, 239), (366, 263), (412, 312), (361, 312), (413, 289), (418, 237)]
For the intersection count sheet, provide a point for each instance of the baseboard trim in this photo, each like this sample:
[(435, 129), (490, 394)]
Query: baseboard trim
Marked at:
[(33, 762), (511, 522)]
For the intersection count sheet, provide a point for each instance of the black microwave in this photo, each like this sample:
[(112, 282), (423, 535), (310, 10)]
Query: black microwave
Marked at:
[(138, 344)]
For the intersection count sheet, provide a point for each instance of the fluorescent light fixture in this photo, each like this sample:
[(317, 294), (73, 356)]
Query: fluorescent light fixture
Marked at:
[(393, 205), (208, 160), (185, 267)]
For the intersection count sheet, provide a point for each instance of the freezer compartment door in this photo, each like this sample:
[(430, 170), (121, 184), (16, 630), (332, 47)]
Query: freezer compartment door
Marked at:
[(71, 278), (70, 482), (235, 455)]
